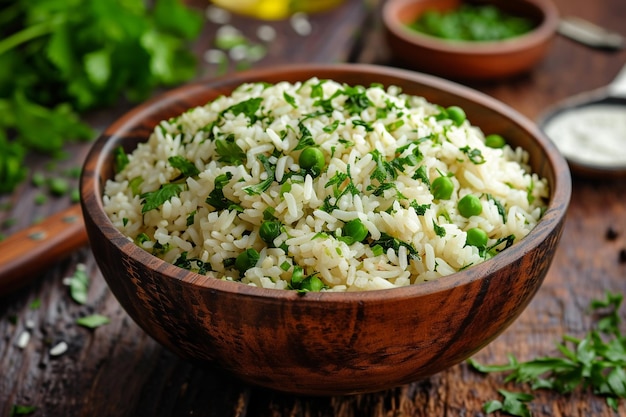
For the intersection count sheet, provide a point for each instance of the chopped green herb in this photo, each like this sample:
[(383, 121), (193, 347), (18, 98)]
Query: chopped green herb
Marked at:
[(384, 171), (79, 284), (595, 361), (290, 99), (367, 126), (306, 138), (420, 209), (439, 230), (93, 321), (474, 155), (193, 264), (377, 250), (248, 108), (22, 410), (58, 186), (40, 199), (390, 127), (191, 218), (514, 403), (38, 179), (229, 152), (155, 199), (357, 100), (389, 242), (216, 197), (331, 127), (75, 195), (141, 238), (35, 304), (266, 183), (184, 165), (135, 185), (422, 174), (120, 159), (499, 207)]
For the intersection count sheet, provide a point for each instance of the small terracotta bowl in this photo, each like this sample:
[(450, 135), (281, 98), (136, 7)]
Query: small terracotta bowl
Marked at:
[(468, 60), (325, 343)]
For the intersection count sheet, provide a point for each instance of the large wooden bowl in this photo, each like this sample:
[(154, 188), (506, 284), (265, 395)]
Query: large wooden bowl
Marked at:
[(468, 60), (325, 343)]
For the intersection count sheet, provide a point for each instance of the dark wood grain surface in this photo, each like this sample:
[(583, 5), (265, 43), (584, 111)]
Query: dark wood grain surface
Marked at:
[(117, 370)]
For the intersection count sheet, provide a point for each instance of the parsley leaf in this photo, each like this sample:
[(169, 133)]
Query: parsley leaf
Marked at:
[(439, 230), (514, 403), (474, 155), (216, 197), (184, 165), (154, 199), (247, 107), (357, 100), (120, 159), (59, 60), (79, 284), (93, 321), (290, 99), (22, 410), (192, 264), (387, 241), (266, 183), (229, 151), (597, 361)]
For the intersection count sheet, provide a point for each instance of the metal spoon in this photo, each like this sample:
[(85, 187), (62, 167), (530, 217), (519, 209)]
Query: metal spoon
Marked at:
[(589, 34), (594, 141)]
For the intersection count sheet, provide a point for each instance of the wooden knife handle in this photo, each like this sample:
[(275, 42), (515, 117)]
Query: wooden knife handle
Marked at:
[(26, 254)]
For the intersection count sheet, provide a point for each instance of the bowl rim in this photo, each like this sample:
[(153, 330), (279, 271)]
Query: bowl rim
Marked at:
[(543, 32), (92, 189)]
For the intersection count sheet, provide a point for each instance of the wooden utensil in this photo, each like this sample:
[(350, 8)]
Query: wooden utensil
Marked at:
[(26, 254)]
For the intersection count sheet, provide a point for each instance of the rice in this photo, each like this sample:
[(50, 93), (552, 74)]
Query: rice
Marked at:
[(199, 191)]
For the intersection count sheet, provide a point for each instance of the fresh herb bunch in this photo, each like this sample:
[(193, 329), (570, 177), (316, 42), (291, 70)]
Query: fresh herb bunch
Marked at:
[(598, 362), (60, 58)]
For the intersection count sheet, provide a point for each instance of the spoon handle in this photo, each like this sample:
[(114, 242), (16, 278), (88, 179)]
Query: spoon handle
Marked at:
[(589, 34), (26, 254), (618, 87)]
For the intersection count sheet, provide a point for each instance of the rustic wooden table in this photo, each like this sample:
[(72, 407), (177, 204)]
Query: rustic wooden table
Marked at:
[(117, 370)]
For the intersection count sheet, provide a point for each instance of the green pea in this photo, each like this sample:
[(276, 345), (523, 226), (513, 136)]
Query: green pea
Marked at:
[(312, 159), (442, 188), (246, 260), (469, 206), (297, 276), (476, 237), (312, 283), (269, 231), (356, 230), (456, 114), (494, 141)]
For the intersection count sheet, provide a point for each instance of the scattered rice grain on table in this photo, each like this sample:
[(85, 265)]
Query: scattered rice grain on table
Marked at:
[(198, 192)]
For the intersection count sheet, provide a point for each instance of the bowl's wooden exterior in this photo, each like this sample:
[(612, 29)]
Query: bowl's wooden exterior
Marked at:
[(469, 60), (325, 343)]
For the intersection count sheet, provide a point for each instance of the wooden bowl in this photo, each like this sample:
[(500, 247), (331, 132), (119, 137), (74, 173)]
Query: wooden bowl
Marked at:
[(467, 60), (325, 343)]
